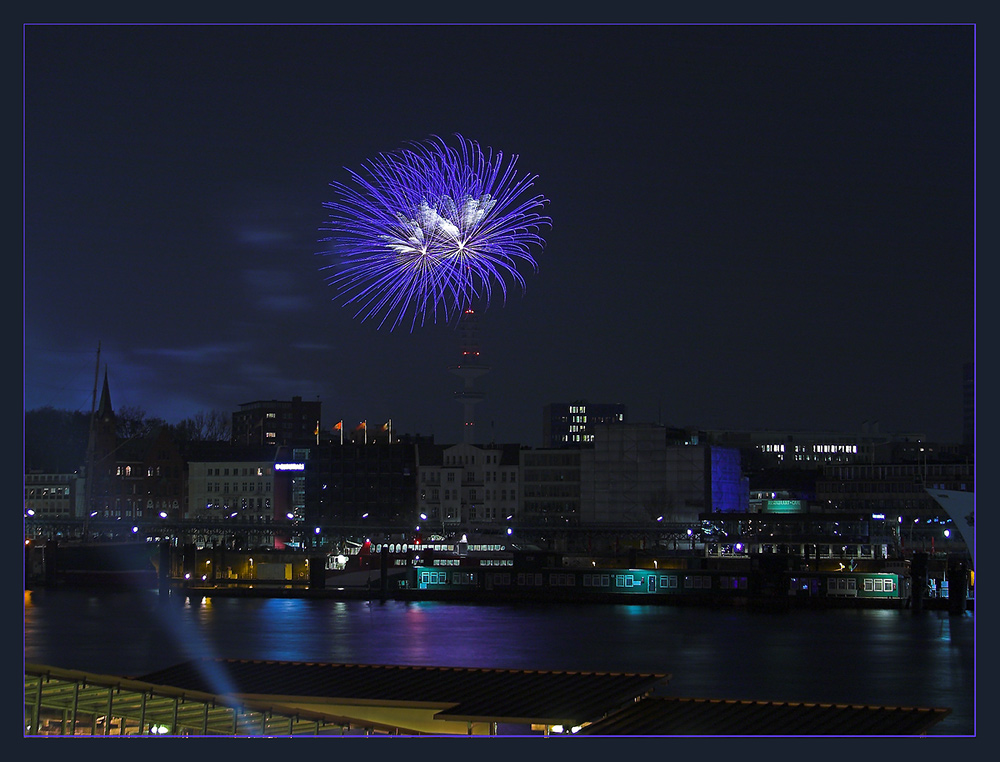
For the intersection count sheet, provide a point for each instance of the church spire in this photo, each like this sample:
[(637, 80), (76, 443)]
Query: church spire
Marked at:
[(104, 410)]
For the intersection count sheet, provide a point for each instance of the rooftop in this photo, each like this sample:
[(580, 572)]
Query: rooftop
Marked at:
[(445, 694), (657, 715)]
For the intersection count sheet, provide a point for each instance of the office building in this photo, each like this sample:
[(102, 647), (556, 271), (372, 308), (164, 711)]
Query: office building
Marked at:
[(277, 422), (571, 424)]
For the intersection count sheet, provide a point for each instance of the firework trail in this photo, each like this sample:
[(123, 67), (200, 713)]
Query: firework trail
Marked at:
[(425, 231)]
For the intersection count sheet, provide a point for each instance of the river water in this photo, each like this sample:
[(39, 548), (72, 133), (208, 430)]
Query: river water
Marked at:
[(887, 658)]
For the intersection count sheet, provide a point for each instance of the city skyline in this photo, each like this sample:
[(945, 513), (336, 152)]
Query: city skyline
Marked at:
[(753, 227)]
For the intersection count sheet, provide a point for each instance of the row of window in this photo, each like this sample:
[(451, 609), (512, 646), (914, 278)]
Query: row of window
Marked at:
[(48, 478), (151, 471), (244, 504), (621, 581), (42, 493), (447, 513), (456, 494), (482, 513), (251, 471), (878, 472), (445, 578), (868, 487), (137, 508), (434, 477), (551, 475), (226, 487), (869, 585), (732, 583), (820, 448), (464, 460), (563, 491), (52, 510)]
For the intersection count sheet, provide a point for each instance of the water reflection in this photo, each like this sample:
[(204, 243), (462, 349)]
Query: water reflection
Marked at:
[(872, 657)]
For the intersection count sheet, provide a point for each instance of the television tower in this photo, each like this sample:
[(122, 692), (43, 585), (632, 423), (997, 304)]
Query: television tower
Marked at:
[(469, 370)]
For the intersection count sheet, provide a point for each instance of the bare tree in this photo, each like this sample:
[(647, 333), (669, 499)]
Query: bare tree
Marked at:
[(131, 422), (212, 426)]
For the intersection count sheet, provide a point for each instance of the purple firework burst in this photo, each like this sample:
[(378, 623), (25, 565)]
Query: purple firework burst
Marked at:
[(430, 229)]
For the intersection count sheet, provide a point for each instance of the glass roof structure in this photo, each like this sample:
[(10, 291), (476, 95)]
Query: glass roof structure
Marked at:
[(69, 702)]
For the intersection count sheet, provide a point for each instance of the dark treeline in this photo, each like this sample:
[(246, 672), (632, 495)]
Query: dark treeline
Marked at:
[(55, 441)]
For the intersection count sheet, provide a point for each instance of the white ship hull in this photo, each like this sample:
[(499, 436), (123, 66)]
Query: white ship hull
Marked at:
[(961, 509)]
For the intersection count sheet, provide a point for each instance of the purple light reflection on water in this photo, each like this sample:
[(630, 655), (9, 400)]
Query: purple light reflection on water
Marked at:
[(873, 657)]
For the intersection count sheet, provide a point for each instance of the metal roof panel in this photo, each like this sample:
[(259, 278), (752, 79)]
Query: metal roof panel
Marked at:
[(660, 715)]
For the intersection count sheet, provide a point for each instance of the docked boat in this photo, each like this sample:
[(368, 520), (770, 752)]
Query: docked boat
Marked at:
[(961, 509)]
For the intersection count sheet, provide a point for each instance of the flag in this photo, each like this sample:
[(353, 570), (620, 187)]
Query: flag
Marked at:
[(338, 425), (385, 426)]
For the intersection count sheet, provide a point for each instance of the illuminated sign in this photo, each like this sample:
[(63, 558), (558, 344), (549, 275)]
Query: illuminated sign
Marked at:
[(878, 515), (289, 466), (782, 506)]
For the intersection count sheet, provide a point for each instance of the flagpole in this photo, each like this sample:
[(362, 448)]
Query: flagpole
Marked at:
[(364, 425), (390, 431)]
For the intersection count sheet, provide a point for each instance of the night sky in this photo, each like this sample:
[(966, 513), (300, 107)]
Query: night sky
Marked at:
[(763, 227)]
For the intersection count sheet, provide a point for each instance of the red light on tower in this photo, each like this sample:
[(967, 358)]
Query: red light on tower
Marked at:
[(469, 370)]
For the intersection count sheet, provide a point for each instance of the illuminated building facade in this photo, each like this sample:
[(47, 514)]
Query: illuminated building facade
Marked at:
[(813, 449), (636, 474), (571, 424), (464, 485), (241, 485), (51, 496)]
